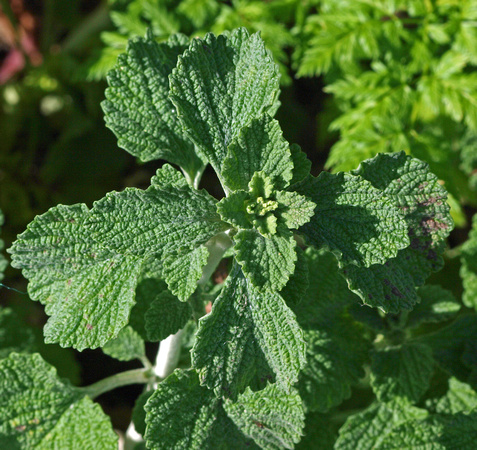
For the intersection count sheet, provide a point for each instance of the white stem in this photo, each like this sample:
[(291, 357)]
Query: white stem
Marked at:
[(132, 438), (168, 355)]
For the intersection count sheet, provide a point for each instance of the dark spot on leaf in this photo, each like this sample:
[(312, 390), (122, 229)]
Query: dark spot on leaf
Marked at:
[(89, 326), (387, 297), (71, 220), (430, 225), (259, 424), (423, 185), (386, 282), (20, 428), (69, 282), (397, 292)]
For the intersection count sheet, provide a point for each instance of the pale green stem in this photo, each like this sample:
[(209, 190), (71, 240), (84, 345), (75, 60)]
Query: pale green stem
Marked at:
[(136, 376)]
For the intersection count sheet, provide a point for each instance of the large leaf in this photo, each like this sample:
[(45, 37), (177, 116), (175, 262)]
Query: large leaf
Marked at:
[(245, 327), (273, 418), (182, 414), (137, 106), (417, 193), (14, 335), (219, 85), (353, 219), (128, 345), (38, 410)]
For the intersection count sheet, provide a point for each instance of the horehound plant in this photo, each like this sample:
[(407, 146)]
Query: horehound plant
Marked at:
[(286, 337)]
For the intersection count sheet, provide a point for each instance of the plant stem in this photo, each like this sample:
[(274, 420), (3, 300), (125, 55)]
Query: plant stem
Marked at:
[(168, 355), (135, 376)]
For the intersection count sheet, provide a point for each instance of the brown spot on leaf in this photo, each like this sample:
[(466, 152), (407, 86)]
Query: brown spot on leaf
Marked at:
[(89, 326), (397, 292)]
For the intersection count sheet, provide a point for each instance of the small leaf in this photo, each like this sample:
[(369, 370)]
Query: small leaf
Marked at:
[(459, 398), (267, 262), (233, 209), (183, 271), (137, 106), (127, 346), (259, 147), (39, 410), (301, 164), (181, 414), (166, 316), (139, 413), (168, 176), (437, 304), (294, 209), (219, 85), (403, 371), (273, 418), (353, 219)]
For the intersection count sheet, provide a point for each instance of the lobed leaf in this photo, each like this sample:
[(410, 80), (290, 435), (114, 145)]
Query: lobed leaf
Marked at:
[(39, 410), (274, 419), (246, 331), (459, 398), (219, 85), (14, 335), (137, 106), (353, 219), (182, 414)]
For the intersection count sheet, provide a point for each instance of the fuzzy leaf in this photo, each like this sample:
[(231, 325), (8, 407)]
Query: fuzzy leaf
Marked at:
[(183, 271), (294, 209), (468, 271), (243, 327), (259, 147), (127, 346), (166, 316), (267, 262), (417, 193), (403, 371), (168, 176), (353, 219), (301, 164), (273, 418), (233, 209), (297, 285), (88, 290), (368, 429), (39, 410), (137, 106), (155, 221), (219, 85), (182, 414)]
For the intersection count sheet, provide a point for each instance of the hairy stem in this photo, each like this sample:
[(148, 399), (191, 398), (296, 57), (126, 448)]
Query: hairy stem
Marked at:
[(135, 376), (168, 355)]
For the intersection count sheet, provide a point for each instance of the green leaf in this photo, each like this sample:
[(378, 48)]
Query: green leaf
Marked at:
[(156, 221), (417, 193), (233, 209), (181, 414), (297, 285), (318, 428), (353, 219), (459, 398), (168, 176), (301, 164), (403, 371), (38, 410), (336, 348), (273, 418), (146, 292), (244, 326), (183, 271), (436, 305), (294, 209), (368, 429), (14, 335), (267, 262), (137, 106), (468, 271), (219, 85), (88, 289), (127, 346), (166, 316), (259, 147), (139, 413), (450, 344)]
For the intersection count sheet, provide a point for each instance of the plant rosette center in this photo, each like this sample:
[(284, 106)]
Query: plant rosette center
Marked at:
[(265, 209)]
